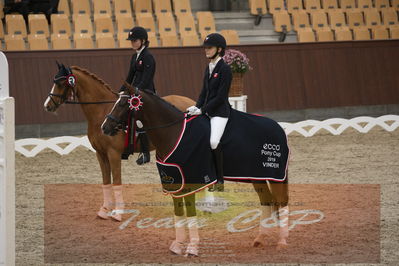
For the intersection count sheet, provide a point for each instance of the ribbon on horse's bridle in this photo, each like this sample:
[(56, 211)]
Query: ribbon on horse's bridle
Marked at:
[(70, 85), (121, 124)]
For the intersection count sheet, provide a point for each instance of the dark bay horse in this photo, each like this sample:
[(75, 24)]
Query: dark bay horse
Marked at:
[(96, 99), (163, 123)]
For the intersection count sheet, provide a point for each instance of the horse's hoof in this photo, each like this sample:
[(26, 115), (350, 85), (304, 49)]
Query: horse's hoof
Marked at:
[(281, 245), (117, 217), (259, 241), (176, 248), (103, 213), (192, 250)]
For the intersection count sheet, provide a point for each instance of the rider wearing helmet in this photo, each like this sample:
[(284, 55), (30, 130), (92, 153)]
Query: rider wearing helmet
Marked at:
[(213, 100), (141, 76)]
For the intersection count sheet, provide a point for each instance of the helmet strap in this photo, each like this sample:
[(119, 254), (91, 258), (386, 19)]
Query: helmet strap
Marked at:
[(216, 54)]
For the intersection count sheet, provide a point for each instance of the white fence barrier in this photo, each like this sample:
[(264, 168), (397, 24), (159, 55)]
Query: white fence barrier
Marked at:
[(7, 169), (31, 147)]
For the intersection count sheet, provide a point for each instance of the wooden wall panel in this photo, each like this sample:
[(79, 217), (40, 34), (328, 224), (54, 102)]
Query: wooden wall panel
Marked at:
[(284, 76)]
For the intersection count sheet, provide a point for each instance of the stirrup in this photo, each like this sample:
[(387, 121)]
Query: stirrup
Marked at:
[(143, 158)]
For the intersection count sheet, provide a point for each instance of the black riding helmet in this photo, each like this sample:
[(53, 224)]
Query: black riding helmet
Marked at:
[(137, 33), (216, 40)]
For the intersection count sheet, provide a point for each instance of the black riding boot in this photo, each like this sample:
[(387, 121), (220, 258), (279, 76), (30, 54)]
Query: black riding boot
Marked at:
[(144, 156), (218, 158)]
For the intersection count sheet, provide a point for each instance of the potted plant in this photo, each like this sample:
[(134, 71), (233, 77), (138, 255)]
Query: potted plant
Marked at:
[(239, 64)]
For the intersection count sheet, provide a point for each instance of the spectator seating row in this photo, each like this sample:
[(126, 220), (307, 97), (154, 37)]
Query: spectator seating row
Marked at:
[(262, 7)]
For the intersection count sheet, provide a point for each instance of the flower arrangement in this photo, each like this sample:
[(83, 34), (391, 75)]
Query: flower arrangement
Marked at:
[(237, 60)]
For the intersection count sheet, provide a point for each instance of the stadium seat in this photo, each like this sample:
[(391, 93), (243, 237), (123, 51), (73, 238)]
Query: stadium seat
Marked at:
[(257, 7), (105, 40), (318, 19), (152, 38), (294, 6), (276, 6), (372, 17), (355, 19), (361, 34), (389, 16), (122, 7), (14, 42), (394, 31), (63, 7), (146, 20), (337, 19), (380, 33), (103, 24), (101, 7), (82, 41), (83, 24), (38, 24), (121, 40), (324, 35), (300, 20), (282, 21), (329, 4), (37, 42), (187, 24), (80, 7), (60, 42), (166, 24), (364, 4), (162, 6), (306, 35), (231, 37), (60, 24), (347, 4), (15, 25), (124, 24), (312, 5), (381, 4), (395, 4), (142, 6), (206, 23), (190, 40), (169, 41), (343, 34), (181, 7), (1, 29)]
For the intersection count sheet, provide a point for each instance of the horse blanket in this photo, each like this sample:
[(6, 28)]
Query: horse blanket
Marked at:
[(254, 148)]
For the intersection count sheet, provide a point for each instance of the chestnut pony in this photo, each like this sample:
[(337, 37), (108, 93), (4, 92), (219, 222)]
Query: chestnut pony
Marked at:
[(96, 98)]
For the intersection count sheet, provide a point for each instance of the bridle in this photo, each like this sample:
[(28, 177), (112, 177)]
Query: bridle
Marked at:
[(69, 84)]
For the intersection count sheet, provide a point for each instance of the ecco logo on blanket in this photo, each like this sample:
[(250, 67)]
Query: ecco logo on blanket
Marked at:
[(166, 179)]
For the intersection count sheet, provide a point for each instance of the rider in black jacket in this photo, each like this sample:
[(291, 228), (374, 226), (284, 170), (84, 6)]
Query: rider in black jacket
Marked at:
[(214, 97), (141, 75)]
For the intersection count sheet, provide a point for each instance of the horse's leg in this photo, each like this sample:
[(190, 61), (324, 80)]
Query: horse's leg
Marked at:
[(192, 223), (266, 202), (107, 186), (177, 245), (114, 158), (280, 194)]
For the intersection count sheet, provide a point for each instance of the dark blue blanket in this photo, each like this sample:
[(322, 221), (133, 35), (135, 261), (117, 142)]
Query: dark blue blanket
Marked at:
[(254, 148)]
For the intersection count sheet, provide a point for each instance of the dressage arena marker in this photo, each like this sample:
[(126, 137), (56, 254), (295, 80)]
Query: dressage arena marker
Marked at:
[(7, 168), (306, 128)]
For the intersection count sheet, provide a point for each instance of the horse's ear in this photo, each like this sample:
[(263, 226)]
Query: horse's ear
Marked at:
[(58, 64)]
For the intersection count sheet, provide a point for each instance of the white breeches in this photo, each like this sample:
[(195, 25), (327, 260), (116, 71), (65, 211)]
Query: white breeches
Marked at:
[(218, 125)]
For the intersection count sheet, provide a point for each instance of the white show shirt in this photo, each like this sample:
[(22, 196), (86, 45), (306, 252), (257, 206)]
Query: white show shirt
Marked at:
[(213, 65)]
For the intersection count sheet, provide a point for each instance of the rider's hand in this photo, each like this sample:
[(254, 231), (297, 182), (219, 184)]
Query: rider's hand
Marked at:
[(191, 108), (196, 111)]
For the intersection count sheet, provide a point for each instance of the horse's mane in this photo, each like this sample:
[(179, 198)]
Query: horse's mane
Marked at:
[(162, 100), (94, 76)]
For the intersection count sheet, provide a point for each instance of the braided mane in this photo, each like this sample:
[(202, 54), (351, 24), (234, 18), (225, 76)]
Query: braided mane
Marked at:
[(94, 76)]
